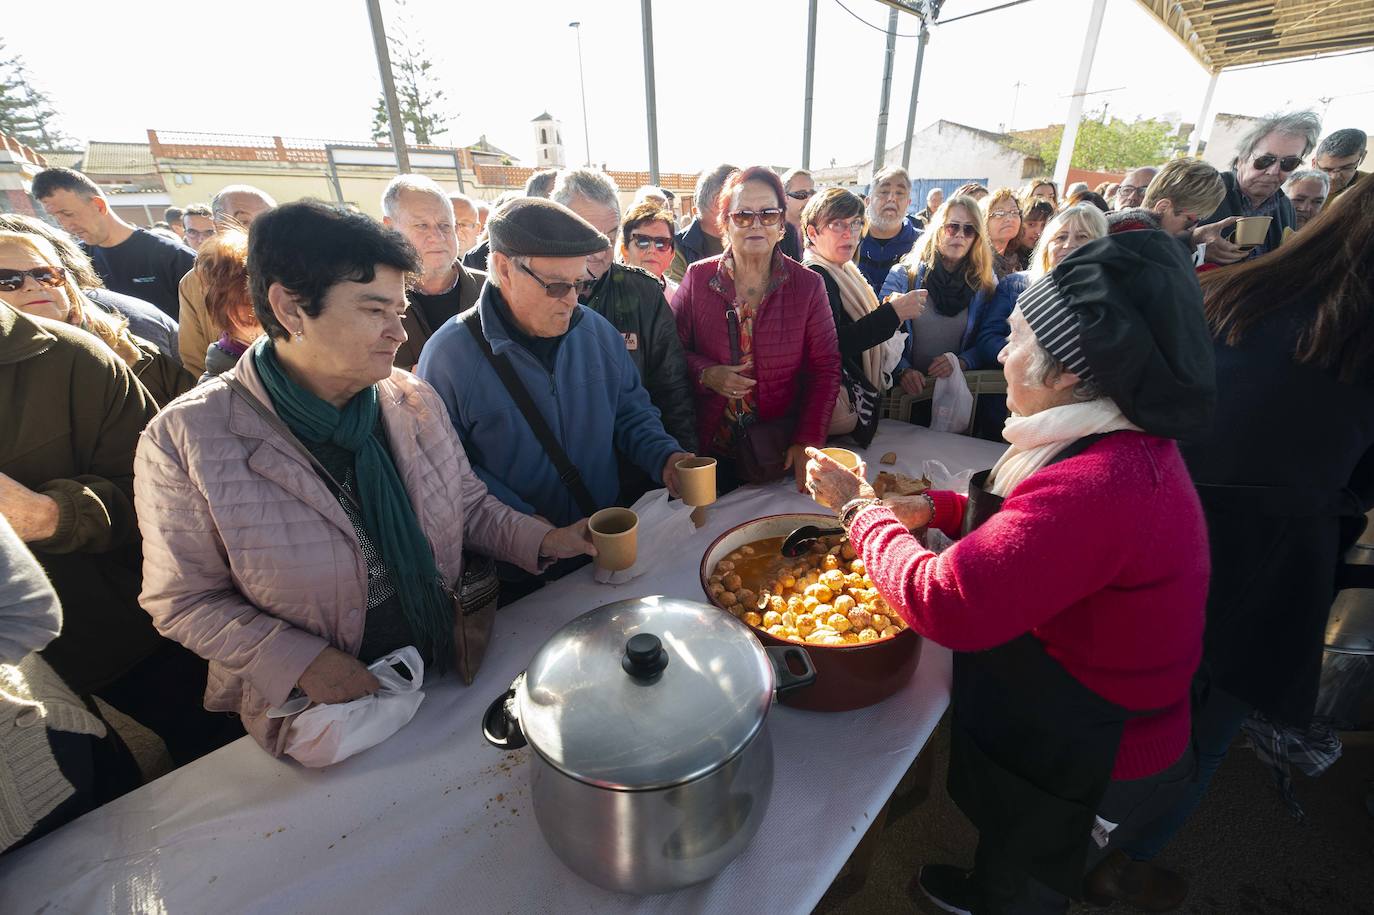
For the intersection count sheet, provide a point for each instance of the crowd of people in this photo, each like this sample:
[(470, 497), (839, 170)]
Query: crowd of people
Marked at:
[(253, 448)]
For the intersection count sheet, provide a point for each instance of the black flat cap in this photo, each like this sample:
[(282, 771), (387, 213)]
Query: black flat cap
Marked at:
[(1141, 328), (537, 227)]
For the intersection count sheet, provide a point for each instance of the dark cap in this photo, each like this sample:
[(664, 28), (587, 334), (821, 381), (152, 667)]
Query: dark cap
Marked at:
[(1139, 325), (537, 227)]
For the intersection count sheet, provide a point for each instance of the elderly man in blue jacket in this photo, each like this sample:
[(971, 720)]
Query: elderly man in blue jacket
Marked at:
[(570, 361)]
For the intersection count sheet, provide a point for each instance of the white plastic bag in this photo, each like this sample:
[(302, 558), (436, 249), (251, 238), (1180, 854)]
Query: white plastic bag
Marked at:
[(941, 477), (325, 734), (952, 403), (663, 525)]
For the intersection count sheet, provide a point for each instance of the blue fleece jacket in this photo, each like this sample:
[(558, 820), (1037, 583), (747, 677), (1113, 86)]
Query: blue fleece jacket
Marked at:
[(593, 401), (986, 331)]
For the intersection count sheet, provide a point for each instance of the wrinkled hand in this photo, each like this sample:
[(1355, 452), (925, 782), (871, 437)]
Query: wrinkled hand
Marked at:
[(33, 515), (913, 511), (729, 380), (337, 677), (941, 367), (832, 484), (910, 305), (912, 382), (566, 542), (1219, 250), (670, 480), (796, 462)]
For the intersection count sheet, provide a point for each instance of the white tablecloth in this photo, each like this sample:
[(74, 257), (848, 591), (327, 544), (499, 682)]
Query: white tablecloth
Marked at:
[(436, 820)]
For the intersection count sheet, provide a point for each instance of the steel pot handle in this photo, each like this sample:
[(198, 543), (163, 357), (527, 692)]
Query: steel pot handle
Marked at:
[(786, 680), (499, 728)]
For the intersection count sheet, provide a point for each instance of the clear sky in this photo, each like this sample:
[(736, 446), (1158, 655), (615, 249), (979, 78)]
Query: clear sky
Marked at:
[(730, 73)]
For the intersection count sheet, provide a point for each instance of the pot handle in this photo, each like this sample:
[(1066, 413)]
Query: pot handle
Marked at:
[(786, 680), (499, 728)]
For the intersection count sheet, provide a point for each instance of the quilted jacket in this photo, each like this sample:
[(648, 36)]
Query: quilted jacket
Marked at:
[(250, 561), (796, 351)]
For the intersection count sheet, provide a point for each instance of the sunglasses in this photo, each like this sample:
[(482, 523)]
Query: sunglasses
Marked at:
[(746, 218), (1005, 214), (955, 229), (660, 244), (1286, 164), (13, 280), (804, 194), (559, 290)]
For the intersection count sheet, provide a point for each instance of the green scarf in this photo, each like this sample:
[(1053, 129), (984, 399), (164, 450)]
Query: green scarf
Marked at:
[(386, 508)]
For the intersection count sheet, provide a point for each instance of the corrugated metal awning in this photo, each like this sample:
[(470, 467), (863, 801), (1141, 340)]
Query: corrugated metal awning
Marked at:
[(1222, 34)]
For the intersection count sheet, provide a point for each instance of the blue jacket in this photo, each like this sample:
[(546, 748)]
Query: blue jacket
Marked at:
[(594, 402), (986, 331)]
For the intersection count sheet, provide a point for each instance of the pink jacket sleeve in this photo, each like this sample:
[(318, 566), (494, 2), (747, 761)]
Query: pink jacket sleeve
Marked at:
[(820, 380), (187, 585), (684, 313), (1023, 566)]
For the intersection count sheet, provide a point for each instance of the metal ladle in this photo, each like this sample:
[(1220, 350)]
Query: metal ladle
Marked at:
[(801, 539)]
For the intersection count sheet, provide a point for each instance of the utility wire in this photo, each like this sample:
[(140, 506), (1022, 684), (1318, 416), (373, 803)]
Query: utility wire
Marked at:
[(876, 28)]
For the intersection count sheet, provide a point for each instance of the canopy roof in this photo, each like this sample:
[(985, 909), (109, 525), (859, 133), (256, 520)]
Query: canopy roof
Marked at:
[(1222, 34)]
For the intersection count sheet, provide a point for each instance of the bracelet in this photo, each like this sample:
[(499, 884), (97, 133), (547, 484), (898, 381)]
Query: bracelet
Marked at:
[(931, 503), (852, 508)]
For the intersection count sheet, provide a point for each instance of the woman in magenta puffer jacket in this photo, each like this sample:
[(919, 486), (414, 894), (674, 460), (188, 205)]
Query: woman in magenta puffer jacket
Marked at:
[(781, 364)]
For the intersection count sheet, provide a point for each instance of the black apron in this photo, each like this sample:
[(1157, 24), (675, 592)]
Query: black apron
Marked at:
[(1032, 749)]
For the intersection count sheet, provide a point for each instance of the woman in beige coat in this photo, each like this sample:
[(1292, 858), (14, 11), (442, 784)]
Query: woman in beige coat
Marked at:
[(286, 577)]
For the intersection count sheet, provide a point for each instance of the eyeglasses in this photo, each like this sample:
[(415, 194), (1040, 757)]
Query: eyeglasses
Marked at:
[(1340, 169), (1005, 214), (200, 233), (967, 229), (466, 226), (841, 226), (1286, 164), (1128, 190), (746, 218), (803, 194), (659, 243), (559, 290), (13, 280)]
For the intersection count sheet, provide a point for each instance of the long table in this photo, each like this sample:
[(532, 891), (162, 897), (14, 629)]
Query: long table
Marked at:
[(436, 820)]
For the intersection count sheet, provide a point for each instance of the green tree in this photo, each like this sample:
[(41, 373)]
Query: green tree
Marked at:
[(26, 113), (1105, 145), (422, 103)]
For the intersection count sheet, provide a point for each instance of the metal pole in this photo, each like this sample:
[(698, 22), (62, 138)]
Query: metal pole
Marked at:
[(393, 109), (880, 144), (650, 94), (581, 79), (1080, 88), (1202, 115), (915, 95), (810, 84)]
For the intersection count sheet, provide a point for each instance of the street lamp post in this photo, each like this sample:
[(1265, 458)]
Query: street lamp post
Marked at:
[(582, 81)]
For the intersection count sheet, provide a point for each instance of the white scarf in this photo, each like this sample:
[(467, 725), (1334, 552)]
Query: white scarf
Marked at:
[(858, 300), (1037, 438)]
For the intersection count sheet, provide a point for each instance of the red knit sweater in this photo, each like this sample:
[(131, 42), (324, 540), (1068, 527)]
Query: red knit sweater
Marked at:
[(1103, 557)]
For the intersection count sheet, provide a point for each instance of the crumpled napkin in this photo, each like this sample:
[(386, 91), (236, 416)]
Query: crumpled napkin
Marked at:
[(662, 526)]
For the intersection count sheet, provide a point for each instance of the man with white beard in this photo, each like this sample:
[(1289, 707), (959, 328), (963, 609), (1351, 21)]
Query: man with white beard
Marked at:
[(889, 235)]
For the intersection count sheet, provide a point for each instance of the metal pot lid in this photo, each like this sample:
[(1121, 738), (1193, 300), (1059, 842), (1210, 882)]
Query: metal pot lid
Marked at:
[(646, 693)]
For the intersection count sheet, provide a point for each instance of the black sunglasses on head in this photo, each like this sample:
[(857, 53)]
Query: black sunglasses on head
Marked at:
[(13, 280), (559, 290)]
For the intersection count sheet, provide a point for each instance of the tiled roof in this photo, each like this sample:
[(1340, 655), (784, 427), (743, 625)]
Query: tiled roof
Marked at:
[(64, 159), (104, 158), (515, 176)]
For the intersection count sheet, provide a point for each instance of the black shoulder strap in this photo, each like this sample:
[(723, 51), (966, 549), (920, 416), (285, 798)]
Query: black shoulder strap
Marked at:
[(1077, 447), (567, 472)]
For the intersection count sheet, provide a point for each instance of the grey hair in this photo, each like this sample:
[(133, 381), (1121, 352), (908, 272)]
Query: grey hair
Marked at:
[(1084, 215), (455, 197), (710, 182), (595, 185), (415, 184), (217, 203), (1044, 369), (1348, 141), (540, 183), (1304, 174), (1303, 124), (891, 171), (651, 190), (197, 209), (518, 260), (793, 173)]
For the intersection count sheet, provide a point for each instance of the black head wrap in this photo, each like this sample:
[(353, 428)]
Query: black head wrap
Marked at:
[(1137, 323)]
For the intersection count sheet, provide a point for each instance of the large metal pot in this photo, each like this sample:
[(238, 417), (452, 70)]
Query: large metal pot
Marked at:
[(847, 676), (652, 764)]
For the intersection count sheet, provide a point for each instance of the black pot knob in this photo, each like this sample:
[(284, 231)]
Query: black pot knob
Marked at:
[(644, 657)]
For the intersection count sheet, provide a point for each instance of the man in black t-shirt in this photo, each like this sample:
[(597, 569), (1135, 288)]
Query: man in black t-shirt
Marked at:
[(129, 259), (421, 210)]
